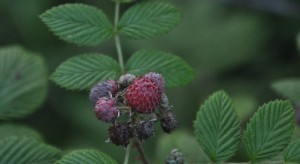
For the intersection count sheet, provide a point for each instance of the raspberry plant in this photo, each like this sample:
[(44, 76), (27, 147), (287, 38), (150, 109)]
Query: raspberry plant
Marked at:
[(129, 96)]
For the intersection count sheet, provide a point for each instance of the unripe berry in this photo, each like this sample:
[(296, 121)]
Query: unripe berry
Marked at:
[(168, 122), (143, 95), (103, 89), (127, 79), (120, 134), (106, 109), (175, 157), (145, 130), (164, 102), (158, 79)]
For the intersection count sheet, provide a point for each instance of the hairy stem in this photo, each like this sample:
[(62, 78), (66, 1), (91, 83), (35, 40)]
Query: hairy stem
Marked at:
[(141, 151), (117, 37), (127, 153)]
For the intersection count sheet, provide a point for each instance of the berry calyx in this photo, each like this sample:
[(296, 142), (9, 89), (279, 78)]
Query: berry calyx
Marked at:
[(168, 122), (145, 130), (158, 79), (106, 109), (103, 89), (120, 134), (143, 95)]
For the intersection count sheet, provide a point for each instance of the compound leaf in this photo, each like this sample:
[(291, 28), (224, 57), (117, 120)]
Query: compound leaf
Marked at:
[(270, 130), (23, 82), (149, 19), (86, 156), (83, 71), (26, 150), (217, 127), (174, 69), (289, 88), (292, 152), (78, 23), (7, 130)]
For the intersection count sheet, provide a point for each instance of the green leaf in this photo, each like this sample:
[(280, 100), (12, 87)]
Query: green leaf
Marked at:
[(149, 19), (289, 88), (217, 127), (84, 71), (26, 150), (78, 23), (86, 156), (7, 130), (23, 82), (292, 152), (174, 69), (269, 130)]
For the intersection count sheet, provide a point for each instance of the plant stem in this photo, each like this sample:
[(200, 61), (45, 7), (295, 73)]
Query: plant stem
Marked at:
[(127, 153), (141, 151), (117, 37)]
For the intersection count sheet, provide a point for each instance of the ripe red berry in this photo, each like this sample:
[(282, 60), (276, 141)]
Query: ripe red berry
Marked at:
[(106, 109), (120, 134), (158, 79), (103, 89), (143, 95)]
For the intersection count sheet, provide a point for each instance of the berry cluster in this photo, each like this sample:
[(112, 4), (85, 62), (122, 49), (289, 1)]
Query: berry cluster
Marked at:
[(132, 105)]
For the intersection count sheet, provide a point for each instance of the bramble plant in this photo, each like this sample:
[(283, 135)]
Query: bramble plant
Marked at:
[(130, 95)]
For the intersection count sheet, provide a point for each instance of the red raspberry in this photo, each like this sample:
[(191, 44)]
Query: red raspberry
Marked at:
[(103, 89), (143, 95), (158, 79), (106, 109)]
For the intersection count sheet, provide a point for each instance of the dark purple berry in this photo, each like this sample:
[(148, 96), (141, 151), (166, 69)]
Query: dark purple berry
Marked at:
[(168, 122), (145, 130), (103, 89), (106, 109), (120, 134)]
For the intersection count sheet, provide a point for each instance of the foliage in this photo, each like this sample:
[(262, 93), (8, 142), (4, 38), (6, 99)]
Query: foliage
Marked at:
[(26, 150), (85, 156), (217, 127), (83, 71), (23, 82), (267, 134)]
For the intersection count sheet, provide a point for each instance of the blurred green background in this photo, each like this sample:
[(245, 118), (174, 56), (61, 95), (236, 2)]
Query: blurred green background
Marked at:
[(241, 47)]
